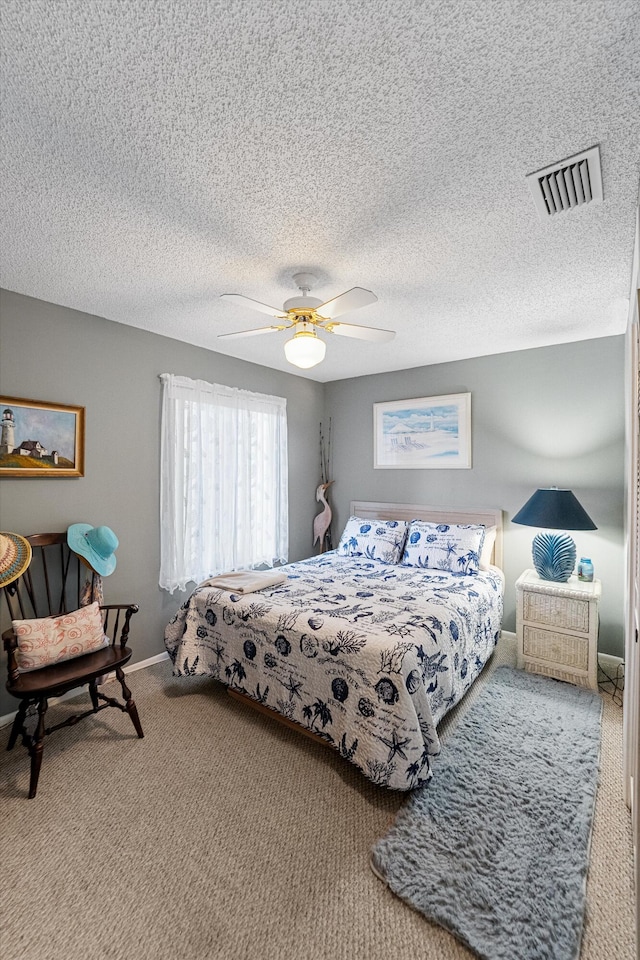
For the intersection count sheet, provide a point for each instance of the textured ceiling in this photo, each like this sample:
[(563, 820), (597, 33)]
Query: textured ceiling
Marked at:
[(159, 153)]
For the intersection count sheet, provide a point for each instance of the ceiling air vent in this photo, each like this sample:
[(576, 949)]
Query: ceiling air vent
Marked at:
[(570, 183)]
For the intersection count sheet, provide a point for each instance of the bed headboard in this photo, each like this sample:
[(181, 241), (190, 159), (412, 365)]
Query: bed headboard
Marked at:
[(372, 510)]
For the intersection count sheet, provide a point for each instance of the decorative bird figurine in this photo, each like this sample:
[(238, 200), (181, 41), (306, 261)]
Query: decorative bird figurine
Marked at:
[(322, 521)]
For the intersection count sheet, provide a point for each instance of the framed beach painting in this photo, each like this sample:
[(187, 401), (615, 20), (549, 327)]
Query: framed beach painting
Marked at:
[(40, 439), (429, 433)]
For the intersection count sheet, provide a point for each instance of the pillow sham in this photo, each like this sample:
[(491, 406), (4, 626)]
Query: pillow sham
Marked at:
[(376, 539), (49, 640), (444, 546), (487, 547)]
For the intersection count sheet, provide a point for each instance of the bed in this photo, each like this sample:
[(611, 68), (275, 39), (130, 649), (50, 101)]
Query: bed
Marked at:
[(367, 655)]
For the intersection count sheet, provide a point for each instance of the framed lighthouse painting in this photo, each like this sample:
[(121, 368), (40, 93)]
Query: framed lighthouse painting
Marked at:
[(426, 433), (40, 439)]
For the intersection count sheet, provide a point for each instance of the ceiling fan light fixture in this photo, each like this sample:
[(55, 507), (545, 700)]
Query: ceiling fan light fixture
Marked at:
[(305, 349), (304, 315)]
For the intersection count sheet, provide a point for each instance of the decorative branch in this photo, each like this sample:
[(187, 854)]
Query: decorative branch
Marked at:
[(322, 532), (325, 454)]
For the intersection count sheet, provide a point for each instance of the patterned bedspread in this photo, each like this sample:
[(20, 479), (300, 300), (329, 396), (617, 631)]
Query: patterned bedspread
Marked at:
[(368, 655)]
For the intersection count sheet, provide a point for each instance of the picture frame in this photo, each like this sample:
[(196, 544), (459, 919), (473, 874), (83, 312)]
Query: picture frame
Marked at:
[(40, 439), (427, 433)]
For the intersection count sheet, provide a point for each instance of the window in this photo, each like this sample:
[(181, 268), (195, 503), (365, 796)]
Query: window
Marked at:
[(224, 481)]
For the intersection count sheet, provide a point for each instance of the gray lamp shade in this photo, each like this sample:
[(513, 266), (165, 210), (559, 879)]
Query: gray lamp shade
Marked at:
[(554, 554)]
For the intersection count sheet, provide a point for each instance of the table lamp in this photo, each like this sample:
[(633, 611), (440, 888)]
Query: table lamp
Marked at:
[(554, 554)]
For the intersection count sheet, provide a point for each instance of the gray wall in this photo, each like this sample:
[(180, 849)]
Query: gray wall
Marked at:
[(49, 352), (551, 416), (539, 417)]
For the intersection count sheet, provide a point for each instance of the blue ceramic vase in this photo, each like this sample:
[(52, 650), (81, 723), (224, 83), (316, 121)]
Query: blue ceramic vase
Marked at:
[(554, 556)]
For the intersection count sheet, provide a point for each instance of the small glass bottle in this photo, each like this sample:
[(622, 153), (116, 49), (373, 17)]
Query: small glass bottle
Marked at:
[(585, 570)]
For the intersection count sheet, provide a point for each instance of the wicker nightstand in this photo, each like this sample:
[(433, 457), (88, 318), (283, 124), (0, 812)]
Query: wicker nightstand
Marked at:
[(557, 628)]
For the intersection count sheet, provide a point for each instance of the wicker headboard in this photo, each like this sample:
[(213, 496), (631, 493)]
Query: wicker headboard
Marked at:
[(372, 510)]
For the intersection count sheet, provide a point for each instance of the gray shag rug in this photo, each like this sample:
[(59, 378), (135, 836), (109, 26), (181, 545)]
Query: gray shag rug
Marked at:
[(495, 847)]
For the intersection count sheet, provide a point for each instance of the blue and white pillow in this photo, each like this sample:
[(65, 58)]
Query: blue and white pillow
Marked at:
[(444, 546), (376, 539)]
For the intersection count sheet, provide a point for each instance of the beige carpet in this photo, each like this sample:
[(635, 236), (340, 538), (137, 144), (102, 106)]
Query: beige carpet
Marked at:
[(224, 835)]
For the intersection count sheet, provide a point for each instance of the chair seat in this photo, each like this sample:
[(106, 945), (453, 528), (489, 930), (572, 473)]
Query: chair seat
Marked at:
[(57, 679)]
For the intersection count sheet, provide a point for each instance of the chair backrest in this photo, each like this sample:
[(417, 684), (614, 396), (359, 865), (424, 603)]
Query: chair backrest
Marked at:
[(53, 582)]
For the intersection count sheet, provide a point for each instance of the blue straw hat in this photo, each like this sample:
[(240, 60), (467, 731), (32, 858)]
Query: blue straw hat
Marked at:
[(96, 545)]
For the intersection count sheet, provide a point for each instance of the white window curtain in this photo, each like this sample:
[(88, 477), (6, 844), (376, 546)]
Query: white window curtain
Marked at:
[(224, 481)]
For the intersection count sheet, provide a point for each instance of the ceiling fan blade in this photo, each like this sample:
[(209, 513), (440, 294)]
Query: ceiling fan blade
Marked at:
[(360, 333), (241, 301), (350, 300), (250, 333)]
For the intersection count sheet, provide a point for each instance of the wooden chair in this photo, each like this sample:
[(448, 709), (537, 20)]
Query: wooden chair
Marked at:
[(52, 585)]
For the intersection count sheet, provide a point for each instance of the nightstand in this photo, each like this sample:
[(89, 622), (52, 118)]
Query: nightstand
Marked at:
[(557, 628)]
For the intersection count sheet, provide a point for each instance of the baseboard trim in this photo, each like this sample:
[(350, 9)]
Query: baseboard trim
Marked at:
[(158, 658), (609, 662), (611, 675), (130, 668)]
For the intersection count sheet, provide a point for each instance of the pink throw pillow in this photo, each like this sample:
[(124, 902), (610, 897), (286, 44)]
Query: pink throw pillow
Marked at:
[(50, 640)]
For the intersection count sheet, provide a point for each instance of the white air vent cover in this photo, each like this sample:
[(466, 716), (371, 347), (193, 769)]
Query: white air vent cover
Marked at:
[(567, 184)]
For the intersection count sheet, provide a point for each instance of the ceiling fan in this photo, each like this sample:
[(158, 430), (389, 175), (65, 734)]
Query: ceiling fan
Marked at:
[(306, 315)]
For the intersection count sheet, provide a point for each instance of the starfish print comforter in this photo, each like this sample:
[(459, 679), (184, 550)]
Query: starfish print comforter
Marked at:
[(368, 655)]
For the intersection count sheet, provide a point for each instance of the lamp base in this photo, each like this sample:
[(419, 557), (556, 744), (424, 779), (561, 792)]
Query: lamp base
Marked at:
[(554, 556)]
